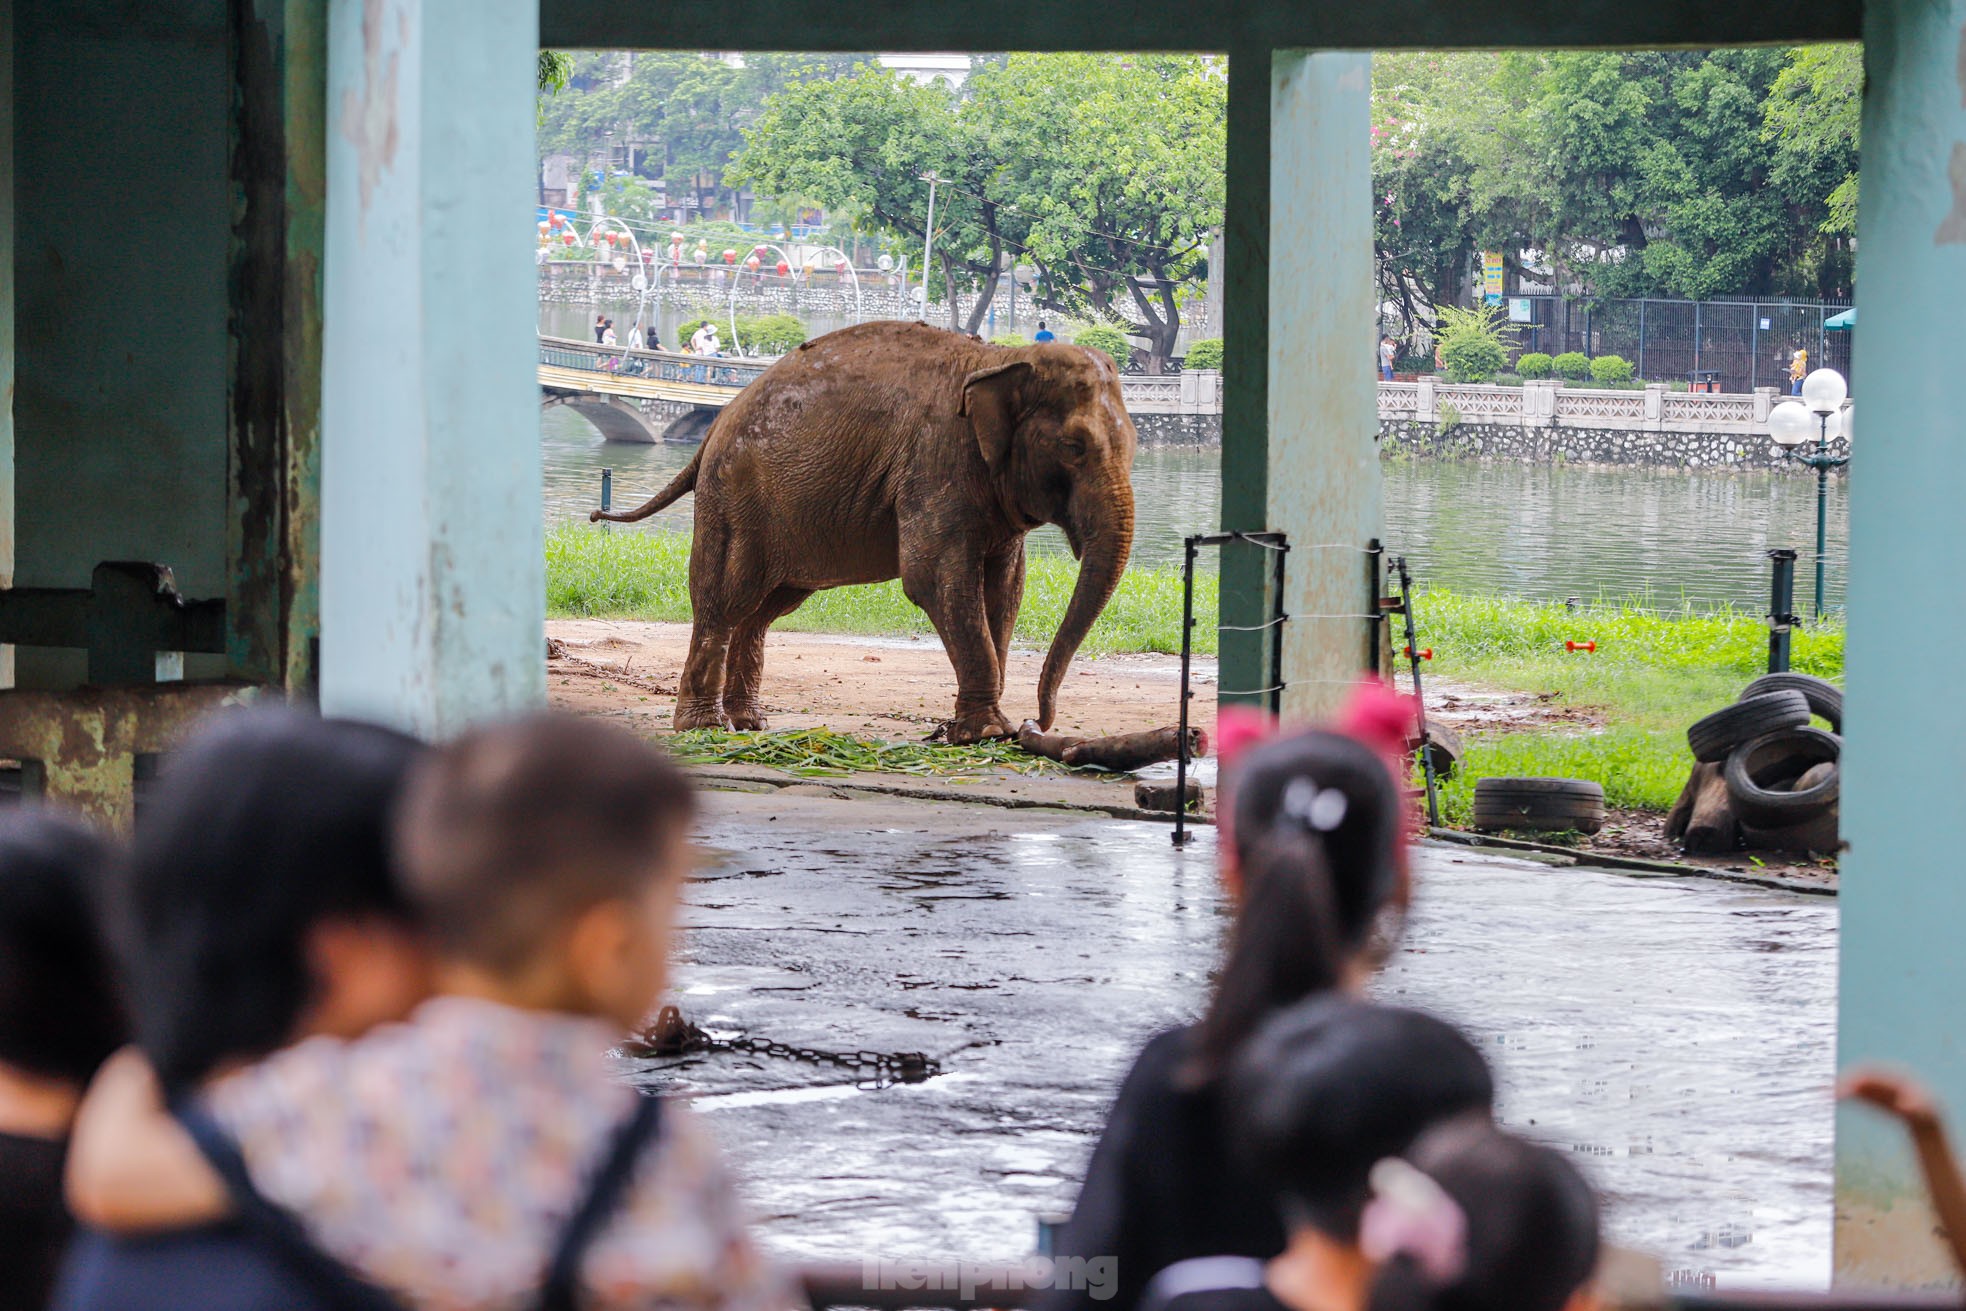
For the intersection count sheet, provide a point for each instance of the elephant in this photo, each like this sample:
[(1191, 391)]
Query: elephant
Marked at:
[(897, 450)]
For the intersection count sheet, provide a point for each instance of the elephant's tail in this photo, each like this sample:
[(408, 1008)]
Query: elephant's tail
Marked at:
[(683, 484)]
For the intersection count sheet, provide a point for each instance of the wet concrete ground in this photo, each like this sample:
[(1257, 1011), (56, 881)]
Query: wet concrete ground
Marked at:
[(1676, 1034)]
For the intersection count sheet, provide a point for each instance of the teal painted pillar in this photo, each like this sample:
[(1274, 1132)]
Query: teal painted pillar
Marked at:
[(1299, 415), (1324, 489), (432, 571), (1903, 967)]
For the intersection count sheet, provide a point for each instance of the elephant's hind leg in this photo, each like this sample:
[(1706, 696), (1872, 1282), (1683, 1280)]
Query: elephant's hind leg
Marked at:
[(726, 586), (744, 665)]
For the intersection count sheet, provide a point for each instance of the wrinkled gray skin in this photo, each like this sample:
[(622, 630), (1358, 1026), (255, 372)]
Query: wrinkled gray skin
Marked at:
[(897, 450)]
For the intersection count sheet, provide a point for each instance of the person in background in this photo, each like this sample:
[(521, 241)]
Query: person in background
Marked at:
[(60, 1018), (482, 1154), (636, 341), (1907, 1100), (1322, 1097), (607, 334), (600, 328), (1044, 333), (1313, 851), (704, 340), (1798, 370), (259, 908), (1388, 352)]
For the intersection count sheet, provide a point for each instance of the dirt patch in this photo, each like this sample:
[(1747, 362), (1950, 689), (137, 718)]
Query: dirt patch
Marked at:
[(1473, 710), (889, 688)]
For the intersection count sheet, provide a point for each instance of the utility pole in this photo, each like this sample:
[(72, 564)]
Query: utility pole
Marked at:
[(928, 242)]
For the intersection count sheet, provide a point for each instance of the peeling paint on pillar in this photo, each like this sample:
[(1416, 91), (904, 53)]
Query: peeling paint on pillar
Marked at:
[(1903, 900), (432, 571), (1324, 478)]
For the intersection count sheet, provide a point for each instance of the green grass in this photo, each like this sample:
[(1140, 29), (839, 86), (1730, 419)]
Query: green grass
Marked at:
[(638, 574), (1651, 675), (823, 753)]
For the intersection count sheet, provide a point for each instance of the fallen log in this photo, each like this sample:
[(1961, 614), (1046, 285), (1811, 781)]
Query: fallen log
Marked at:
[(1711, 828), (1682, 809), (1119, 753)]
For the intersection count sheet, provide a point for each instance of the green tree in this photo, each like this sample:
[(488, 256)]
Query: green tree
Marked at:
[(1811, 117)]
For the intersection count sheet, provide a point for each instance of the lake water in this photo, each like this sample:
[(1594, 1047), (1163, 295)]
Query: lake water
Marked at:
[(1521, 530)]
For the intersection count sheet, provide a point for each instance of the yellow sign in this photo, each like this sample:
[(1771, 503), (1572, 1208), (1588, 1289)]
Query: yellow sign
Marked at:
[(1491, 276)]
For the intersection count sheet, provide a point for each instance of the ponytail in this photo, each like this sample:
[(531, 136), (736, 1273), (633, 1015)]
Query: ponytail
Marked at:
[(1401, 1285), (1285, 945)]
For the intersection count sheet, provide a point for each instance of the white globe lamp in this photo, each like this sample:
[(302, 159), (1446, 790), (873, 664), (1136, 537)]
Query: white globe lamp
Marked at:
[(1824, 391), (1791, 424)]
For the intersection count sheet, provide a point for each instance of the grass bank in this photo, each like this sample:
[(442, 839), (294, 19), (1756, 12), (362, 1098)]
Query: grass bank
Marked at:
[(1653, 673), (634, 574)]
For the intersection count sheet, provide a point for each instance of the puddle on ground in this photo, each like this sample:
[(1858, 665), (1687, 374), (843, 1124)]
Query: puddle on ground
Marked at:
[(1675, 1035)]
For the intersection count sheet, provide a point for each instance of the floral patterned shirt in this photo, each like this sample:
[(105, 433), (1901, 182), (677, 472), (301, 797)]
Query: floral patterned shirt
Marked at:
[(443, 1156)]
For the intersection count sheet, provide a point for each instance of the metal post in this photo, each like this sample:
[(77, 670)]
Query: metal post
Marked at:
[(1276, 633), (607, 495), (1181, 735), (1822, 507), (928, 241), (1696, 339), (1641, 339), (1754, 344), (1781, 609)]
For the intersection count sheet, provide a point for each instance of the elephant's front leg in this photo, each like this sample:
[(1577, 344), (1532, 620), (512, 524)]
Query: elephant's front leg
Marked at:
[(950, 589), (1003, 595), (744, 666)]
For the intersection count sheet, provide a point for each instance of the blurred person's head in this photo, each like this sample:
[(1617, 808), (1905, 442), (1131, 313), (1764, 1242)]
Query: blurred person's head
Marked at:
[(60, 1011), (263, 904), (547, 855), (1314, 854), (1474, 1219), (1330, 1087)]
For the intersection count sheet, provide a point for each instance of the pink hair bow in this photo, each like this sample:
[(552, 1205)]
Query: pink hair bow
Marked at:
[(1411, 1215)]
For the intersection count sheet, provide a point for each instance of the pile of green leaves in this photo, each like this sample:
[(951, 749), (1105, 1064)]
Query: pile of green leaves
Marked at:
[(823, 753)]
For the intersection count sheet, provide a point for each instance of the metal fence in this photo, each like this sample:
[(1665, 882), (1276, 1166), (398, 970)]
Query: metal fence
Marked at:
[(1747, 343)]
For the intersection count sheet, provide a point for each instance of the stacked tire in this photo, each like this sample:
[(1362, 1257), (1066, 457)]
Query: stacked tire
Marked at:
[(1538, 805), (1782, 777)]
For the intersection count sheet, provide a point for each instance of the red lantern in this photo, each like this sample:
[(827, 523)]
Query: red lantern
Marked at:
[(783, 268), (730, 257), (554, 220), (569, 238), (760, 251), (840, 267), (752, 263)]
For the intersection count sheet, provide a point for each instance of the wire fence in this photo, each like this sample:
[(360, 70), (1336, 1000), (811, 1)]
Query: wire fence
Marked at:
[(1741, 344)]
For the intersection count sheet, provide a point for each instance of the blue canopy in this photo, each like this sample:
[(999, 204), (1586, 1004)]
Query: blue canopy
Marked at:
[(1842, 322)]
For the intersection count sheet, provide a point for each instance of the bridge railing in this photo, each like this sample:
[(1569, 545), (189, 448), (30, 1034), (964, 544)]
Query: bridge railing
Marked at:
[(665, 366)]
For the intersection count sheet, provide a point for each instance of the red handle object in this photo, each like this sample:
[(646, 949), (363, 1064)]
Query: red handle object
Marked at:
[(1580, 646), (1426, 653)]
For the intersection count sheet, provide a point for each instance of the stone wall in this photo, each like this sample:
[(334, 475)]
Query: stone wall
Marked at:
[(1585, 445)]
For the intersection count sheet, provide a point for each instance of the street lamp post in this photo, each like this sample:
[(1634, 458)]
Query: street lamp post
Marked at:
[(1792, 423)]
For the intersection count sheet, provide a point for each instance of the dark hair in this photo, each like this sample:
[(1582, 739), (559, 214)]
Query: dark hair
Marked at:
[(264, 825), (1330, 1087), (511, 830), (1316, 823), (1532, 1227), (60, 1014)]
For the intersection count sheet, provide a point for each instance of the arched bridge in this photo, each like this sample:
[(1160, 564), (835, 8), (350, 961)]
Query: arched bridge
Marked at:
[(640, 396), (655, 396)]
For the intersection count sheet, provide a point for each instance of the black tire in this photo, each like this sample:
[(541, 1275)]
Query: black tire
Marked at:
[(1714, 738), (1816, 837), (1758, 774), (1824, 697), (1544, 805)]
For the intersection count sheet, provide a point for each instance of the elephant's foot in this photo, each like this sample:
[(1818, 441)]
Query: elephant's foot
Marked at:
[(696, 713), (976, 726), (745, 719)]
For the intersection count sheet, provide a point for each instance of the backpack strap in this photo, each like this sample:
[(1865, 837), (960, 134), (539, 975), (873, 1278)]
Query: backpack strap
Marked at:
[(276, 1229), (605, 1191)]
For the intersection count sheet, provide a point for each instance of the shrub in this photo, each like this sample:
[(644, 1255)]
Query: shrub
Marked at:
[(685, 331), (1009, 339), (1204, 354), (1110, 340), (1611, 368), (771, 334), (1533, 364), (1474, 343), (1574, 365)]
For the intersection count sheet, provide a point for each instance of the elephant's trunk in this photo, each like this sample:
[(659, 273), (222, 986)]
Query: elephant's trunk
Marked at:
[(1102, 522)]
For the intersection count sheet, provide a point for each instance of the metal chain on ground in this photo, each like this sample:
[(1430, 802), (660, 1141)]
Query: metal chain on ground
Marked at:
[(672, 1035)]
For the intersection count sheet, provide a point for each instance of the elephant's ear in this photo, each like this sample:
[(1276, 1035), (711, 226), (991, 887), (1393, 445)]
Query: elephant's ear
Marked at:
[(990, 402)]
